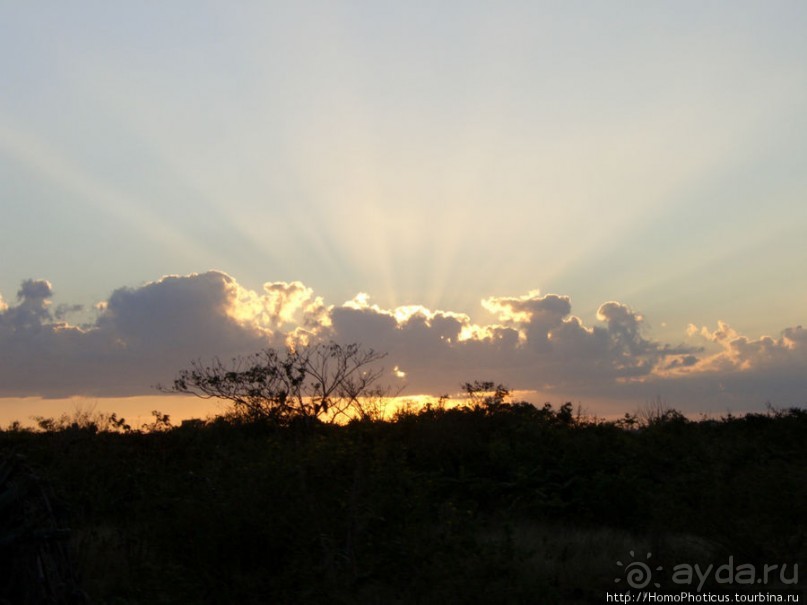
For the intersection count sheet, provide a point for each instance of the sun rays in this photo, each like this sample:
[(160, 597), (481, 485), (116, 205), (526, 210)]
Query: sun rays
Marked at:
[(431, 156), (405, 172)]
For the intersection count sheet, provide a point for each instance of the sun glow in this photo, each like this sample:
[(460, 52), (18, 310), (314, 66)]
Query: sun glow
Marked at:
[(431, 156)]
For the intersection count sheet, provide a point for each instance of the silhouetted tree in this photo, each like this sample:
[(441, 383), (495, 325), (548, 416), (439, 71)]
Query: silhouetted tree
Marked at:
[(657, 412), (486, 395), (324, 380)]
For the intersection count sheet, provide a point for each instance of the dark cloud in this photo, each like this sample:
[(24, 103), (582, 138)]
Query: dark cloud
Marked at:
[(144, 335), (33, 308), (186, 314), (537, 343), (63, 311)]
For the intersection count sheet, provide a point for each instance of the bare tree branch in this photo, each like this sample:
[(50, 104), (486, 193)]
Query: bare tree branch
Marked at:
[(325, 381)]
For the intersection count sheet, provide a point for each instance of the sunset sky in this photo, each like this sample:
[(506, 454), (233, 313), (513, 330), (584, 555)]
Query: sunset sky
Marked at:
[(597, 202)]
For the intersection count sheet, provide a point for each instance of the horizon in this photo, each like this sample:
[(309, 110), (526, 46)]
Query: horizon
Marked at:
[(595, 204)]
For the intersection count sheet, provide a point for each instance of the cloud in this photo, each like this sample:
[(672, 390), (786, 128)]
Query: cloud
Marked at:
[(185, 314), (538, 315), (740, 354), (62, 311), (141, 336), (34, 297), (766, 368), (534, 343), (144, 335)]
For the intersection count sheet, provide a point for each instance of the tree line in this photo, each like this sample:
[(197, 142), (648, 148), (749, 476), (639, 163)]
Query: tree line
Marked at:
[(496, 500)]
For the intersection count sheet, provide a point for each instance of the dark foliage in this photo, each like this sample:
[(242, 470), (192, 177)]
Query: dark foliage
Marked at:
[(495, 502), (35, 565)]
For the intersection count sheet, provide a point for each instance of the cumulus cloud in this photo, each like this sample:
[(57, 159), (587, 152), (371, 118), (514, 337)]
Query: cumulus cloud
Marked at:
[(33, 308), (141, 336), (536, 315), (739, 353), (144, 335), (534, 342), (290, 306)]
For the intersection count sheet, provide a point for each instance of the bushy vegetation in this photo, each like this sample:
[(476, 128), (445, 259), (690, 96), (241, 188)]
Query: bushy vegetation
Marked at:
[(491, 502)]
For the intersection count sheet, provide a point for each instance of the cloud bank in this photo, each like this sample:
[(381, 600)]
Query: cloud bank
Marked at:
[(142, 336)]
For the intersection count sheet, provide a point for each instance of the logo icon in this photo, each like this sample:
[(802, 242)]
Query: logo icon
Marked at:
[(638, 574)]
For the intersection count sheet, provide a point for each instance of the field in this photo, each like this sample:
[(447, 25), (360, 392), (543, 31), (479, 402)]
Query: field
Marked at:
[(505, 503)]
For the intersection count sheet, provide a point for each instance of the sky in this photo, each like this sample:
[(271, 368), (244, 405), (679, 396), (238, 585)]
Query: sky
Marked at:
[(593, 202)]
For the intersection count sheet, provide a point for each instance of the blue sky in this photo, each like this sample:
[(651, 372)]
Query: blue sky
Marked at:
[(432, 154)]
